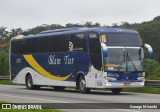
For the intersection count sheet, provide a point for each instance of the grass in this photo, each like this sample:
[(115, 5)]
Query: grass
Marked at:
[(143, 90), (29, 110), (8, 82)]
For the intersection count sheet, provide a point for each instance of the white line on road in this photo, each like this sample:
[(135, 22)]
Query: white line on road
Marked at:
[(34, 98), (128, 110)]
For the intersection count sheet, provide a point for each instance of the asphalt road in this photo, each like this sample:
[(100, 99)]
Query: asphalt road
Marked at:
[(19, 94)]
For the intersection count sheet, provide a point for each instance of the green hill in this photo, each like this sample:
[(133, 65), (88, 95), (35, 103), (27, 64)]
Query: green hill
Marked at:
[(149, 32)]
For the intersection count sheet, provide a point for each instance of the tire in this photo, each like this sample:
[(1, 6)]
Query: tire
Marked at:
[(116, 90), (59, 88), (29, 83), (82, 85)]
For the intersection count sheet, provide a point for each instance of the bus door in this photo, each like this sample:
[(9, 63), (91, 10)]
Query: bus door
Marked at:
[(96, 61)]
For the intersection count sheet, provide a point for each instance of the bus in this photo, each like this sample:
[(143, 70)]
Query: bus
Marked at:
[(84, 58)]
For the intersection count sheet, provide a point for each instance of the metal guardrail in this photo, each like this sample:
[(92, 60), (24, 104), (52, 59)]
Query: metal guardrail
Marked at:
[(152, 83), (148, 83), (4, 77)]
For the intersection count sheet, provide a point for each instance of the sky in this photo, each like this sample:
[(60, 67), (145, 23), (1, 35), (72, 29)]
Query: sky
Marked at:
[(31, 13)]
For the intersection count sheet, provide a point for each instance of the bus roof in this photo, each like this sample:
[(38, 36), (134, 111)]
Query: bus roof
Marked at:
[(98, 30)]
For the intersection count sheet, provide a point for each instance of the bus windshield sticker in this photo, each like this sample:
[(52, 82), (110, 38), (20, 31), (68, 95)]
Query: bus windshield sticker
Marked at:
[(103, 38), (81, 36), (92, 35), (71, 47)]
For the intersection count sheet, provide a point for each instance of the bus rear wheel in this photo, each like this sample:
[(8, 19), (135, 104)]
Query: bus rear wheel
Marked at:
[(116, 90), (82, 85), (29, 83)]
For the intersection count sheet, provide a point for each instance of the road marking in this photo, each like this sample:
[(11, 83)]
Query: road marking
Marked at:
[(34, 98), (128, 110)]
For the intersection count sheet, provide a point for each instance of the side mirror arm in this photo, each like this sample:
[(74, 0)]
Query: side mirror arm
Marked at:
[(105, 50), (150, 50)]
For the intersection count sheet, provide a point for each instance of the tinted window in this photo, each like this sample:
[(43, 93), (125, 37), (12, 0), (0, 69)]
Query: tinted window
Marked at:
[(23, 47), (43, 45), (32, 46), (14, 46), (58, 43), (119, 39), (79, 42), (55, 43), (65, 41), (95, 51)]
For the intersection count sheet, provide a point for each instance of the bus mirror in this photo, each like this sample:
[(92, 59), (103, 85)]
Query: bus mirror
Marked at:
[(150, 50), (105, 50)]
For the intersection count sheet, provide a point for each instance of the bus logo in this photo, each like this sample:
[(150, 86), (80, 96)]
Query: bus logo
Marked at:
[(71, 47), (92, 35)]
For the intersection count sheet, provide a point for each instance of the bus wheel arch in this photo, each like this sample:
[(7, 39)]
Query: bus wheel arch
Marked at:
[(81, 84), (29, 82)]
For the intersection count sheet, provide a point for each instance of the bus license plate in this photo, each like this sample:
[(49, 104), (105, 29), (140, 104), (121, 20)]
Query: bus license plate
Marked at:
[(127, 84)]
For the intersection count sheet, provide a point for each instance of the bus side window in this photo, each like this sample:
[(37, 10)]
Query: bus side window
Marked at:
[(18, 46), (43, 44), (23, 48), (79, 42), (55, 43), (14, 48), (66, 41), (32, 45)]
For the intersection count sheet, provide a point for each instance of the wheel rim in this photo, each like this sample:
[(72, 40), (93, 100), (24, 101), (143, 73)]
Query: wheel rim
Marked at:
[(82, 84), (29, 82)]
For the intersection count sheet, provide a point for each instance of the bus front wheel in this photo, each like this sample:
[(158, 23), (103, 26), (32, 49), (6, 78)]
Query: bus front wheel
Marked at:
[(29, 83), (82, 85), (116, 90)]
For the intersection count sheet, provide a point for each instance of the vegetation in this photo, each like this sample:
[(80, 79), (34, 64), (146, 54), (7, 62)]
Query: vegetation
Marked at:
[(149, 32), (143, 90), (8, 82)]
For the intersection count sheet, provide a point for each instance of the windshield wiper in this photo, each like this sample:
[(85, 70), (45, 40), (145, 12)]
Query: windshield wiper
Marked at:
[(128, 57)]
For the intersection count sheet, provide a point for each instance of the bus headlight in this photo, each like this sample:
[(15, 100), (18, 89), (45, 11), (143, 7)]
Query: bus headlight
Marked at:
[(141, 76)]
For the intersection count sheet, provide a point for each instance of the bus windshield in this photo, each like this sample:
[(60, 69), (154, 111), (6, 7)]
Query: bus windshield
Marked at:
[(124, 59), (123, 39)]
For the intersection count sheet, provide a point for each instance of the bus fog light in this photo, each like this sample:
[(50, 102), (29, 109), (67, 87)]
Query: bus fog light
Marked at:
[(142, 84), (108, 84)]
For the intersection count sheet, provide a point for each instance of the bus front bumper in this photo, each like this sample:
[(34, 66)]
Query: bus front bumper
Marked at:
[(124, 84)]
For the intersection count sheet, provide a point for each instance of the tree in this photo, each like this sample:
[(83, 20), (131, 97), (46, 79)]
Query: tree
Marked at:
[(97, 25), (156, 18), (152, 69), (3, 32), (4, 61), (126, 25), (15, 32)]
